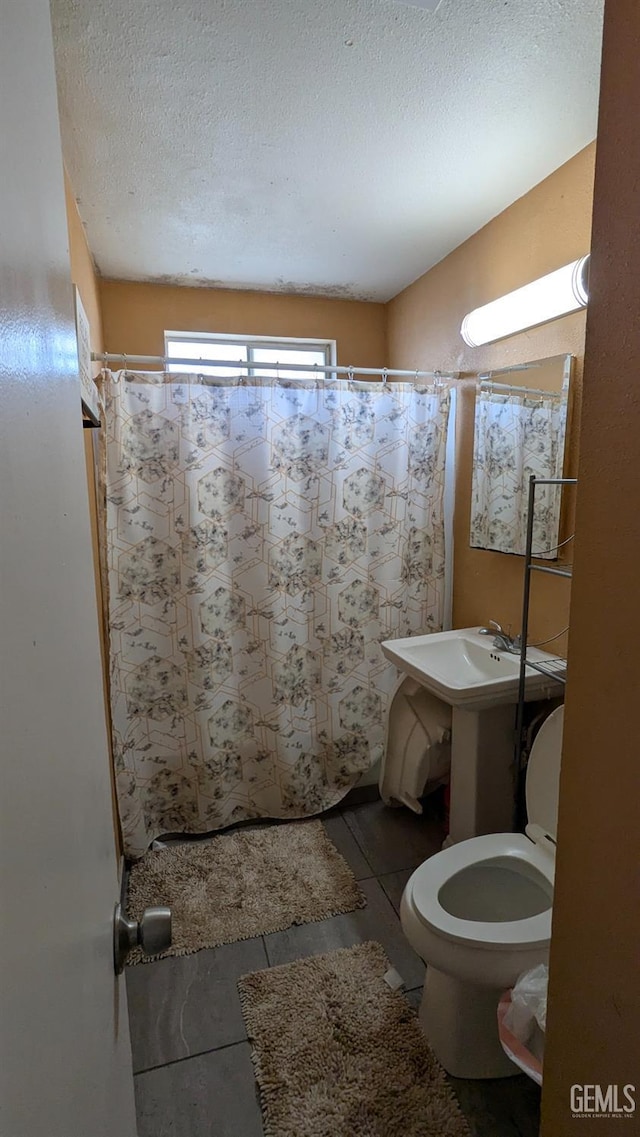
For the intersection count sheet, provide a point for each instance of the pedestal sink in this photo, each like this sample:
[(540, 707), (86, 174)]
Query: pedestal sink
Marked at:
[(480, 683)]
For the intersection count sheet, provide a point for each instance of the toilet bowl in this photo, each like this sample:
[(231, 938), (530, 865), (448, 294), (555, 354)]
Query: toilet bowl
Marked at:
[(479, 914)]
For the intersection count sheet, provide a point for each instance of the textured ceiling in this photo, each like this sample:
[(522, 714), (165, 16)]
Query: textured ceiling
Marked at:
[(324, 146)]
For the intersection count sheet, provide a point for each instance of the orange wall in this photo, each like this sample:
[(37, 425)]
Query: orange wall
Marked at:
[(83, 271), (547, 228), (83, 274), (135, 317), (594, 1001)]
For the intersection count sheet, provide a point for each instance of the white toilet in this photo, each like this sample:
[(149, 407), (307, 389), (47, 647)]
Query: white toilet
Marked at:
[(479, 914)]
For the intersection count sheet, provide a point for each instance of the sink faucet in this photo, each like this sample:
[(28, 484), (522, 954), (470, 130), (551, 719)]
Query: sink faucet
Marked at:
[(501, 639)]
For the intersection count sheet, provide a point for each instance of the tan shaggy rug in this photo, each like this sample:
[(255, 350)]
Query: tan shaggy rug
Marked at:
[(243, 884), (338, 1054)]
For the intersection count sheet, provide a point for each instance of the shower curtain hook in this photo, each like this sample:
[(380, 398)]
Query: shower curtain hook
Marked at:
[(350, 373), (385, 374)]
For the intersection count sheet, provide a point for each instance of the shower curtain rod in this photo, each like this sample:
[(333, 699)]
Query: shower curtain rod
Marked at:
[(526, 392), (313, 368)]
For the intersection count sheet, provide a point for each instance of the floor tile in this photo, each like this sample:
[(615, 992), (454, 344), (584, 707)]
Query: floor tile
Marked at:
[(499, 1107), (360, 794), (213, 1095), (394, 884), (185, 1005), (414, 997), (344, 841), (378, 921), (494, 1107), (393, 839), (186, 1008)]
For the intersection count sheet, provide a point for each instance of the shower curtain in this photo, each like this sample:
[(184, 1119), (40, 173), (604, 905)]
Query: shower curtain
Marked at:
[(516, 437), (262, 538)]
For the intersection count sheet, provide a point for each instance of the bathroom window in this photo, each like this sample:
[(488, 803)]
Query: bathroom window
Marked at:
[(248, 349)]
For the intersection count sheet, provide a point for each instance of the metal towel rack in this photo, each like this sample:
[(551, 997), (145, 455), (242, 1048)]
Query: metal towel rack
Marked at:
[(555, 669)]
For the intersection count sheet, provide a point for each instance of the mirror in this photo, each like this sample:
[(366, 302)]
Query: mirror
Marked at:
[(520, 429)]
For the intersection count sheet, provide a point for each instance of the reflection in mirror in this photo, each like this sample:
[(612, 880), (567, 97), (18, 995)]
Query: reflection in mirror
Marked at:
[(520, 430)]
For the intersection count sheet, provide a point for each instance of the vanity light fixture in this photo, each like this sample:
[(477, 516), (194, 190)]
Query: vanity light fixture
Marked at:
[(556, 294)]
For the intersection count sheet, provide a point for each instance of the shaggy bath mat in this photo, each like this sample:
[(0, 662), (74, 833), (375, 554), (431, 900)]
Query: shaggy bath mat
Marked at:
[(243, 884), (337, 1053)]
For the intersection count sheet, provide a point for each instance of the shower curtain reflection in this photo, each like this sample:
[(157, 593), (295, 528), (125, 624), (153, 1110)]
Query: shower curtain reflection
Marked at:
[(516, 436)]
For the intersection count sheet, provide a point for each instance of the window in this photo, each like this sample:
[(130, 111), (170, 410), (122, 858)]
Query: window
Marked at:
[(249, 349)]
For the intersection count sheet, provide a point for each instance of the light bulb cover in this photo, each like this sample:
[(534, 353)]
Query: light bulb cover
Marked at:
[(556, 294)]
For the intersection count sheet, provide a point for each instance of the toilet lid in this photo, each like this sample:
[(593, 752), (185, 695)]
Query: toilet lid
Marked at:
[(543, 774)]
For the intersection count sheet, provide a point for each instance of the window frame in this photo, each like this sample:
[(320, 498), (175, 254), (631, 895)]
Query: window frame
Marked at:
[(250, 343)]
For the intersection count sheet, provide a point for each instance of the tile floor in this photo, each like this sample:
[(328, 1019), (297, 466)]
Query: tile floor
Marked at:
[(191, 1057)]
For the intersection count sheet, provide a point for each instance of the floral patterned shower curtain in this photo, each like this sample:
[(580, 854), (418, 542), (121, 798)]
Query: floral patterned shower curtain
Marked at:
[(262, 538), (516, 437)]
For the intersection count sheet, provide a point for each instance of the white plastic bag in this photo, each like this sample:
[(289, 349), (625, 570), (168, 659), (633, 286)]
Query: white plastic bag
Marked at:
[(528, 1003), (522, 1018)]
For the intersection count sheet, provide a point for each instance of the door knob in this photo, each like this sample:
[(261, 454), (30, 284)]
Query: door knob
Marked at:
[(152, 932)]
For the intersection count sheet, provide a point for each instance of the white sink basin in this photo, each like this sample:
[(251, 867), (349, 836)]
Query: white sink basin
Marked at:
[(464, 669)]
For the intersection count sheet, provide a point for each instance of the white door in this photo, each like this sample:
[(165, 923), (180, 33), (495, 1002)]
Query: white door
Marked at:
[(65, 1060)]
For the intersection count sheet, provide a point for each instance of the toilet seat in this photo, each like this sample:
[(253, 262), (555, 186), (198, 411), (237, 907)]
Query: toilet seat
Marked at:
[(512, 851), (526, 862)]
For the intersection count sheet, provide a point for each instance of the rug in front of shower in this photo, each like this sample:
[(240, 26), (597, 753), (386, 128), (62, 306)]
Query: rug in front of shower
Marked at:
[(243, 884), (337, 1053)]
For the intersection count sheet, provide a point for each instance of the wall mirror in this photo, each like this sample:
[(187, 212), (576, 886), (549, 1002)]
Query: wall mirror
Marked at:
[(520, 429)]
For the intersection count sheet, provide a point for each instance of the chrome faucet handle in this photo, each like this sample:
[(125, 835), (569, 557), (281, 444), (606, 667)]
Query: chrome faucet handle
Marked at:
[(504, 642), (491, 629)]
